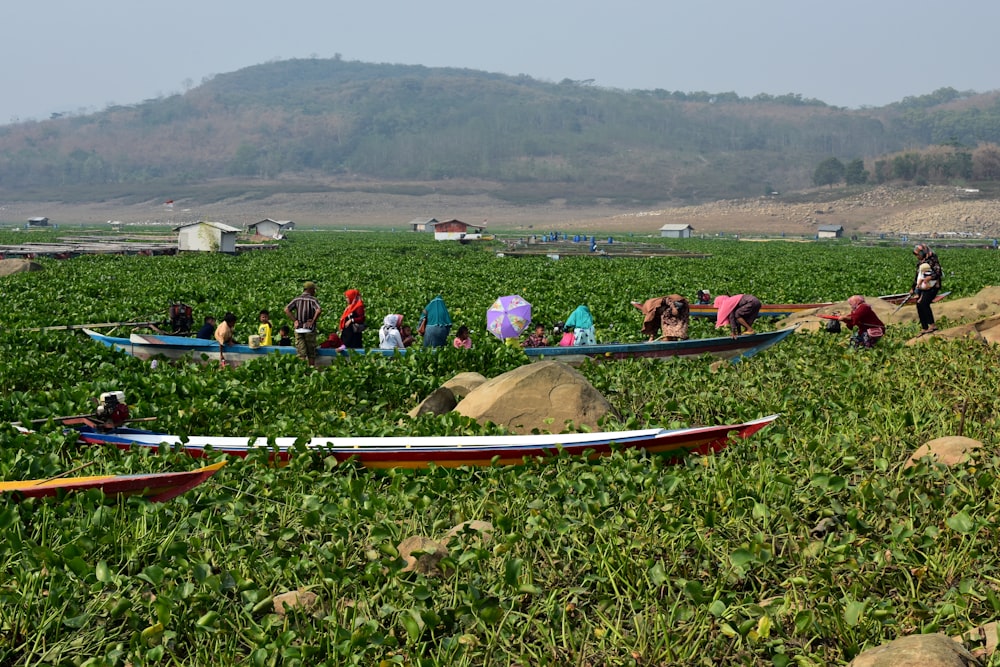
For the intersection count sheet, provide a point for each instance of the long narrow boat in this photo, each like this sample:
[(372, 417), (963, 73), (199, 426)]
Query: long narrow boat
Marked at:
[(724, 347), (896, 299), (449, 452), (157, 487), (766, 310), (176, 348)]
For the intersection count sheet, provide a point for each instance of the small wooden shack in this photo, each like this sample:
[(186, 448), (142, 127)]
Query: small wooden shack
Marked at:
[(829, 231), (676, 231), (456, 230), (205, 236), (272, 229), (423, 225), (38, 222)]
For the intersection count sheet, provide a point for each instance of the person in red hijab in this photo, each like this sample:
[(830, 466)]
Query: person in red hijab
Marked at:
[(870, 327), (352, 322)]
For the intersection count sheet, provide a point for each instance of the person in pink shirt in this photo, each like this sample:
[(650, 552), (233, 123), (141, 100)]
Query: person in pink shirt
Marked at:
[(739, 311), (462, 339)]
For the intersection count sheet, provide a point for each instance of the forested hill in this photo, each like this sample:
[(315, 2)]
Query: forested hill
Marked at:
[(333, 121)]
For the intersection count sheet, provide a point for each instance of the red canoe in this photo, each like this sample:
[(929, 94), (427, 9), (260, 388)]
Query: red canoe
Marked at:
[(157, 487)]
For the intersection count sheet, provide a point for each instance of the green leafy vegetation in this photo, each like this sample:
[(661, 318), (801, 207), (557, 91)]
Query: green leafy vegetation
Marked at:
[(802, 546)]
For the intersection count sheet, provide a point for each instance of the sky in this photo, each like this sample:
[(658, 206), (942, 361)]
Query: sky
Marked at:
[(69, 56)]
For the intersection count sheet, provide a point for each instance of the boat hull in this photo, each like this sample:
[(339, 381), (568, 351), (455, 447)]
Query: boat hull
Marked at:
[(178, 348), (897, 299), (766, 310), (157, 487), (449, 452), (723, 347)]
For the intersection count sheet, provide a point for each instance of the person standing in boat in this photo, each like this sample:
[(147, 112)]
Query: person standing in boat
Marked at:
[(739, 312), (352, 320), (870, 327), (435, 323), (582, 322), (304, 310), (925, 297)]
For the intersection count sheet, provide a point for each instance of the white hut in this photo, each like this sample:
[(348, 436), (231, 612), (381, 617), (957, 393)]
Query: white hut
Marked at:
[(829, 231), (272, 229), (423, 224), (677, 231), (206, 236)]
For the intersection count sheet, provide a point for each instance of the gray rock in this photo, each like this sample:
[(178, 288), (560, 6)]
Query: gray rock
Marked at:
[(936, 650), (440, 401)]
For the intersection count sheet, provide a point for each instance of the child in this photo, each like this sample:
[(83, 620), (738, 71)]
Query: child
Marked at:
[(285, 336), (407, 333), (538, 338), (332, 341), (462, 339), (925, 278), (264, 328)]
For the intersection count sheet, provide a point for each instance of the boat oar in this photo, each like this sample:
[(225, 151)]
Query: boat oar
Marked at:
[(102, 325), (63, 474), (905, 301)]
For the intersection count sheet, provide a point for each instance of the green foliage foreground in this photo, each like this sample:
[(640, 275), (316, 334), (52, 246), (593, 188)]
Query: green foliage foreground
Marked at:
[(804, 545)]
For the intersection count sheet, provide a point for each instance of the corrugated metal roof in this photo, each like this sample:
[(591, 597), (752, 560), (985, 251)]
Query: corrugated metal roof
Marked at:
[(217, 225)]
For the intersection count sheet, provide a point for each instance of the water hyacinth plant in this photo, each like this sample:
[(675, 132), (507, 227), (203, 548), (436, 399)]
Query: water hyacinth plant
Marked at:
[(801, 546)]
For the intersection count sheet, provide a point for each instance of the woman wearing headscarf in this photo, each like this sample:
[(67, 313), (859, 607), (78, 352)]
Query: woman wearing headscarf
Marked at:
[(667, 315), (870, 327), (352, 321), (582, 323), (739, 311), (435, 323), (925, 297), (389, 335)]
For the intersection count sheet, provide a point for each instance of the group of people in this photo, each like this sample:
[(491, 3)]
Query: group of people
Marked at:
[(668, 316), (665, 318), (304, 311), (925, 288)]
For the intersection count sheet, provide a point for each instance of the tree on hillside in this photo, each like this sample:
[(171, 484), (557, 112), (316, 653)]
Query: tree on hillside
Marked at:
[(855, 172), (986, 163), (828, 172)]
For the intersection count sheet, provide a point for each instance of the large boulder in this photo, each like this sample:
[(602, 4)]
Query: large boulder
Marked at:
[(934, 650), (9, 267), (440, 401), (463, 383), (543, 396)]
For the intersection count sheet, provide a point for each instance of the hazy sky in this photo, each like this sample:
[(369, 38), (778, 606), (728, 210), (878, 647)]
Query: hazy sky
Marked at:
[(64, 55)]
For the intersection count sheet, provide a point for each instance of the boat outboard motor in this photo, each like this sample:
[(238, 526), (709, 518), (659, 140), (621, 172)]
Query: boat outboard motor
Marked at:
[(112, 409), (181, 318)]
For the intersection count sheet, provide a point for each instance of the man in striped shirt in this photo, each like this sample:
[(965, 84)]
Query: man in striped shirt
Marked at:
[(305, 310)]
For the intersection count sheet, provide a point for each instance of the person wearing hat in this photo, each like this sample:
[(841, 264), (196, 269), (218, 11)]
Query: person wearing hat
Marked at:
[(926, 285), (304, 310)]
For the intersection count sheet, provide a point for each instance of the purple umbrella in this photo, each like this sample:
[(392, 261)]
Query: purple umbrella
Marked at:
[(508, 317)]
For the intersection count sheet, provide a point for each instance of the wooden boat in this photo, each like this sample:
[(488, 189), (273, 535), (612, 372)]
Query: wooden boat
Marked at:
[(176, 348), (157, 487), (766, 310), (449, 452), (724, 347), (896, 299)]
